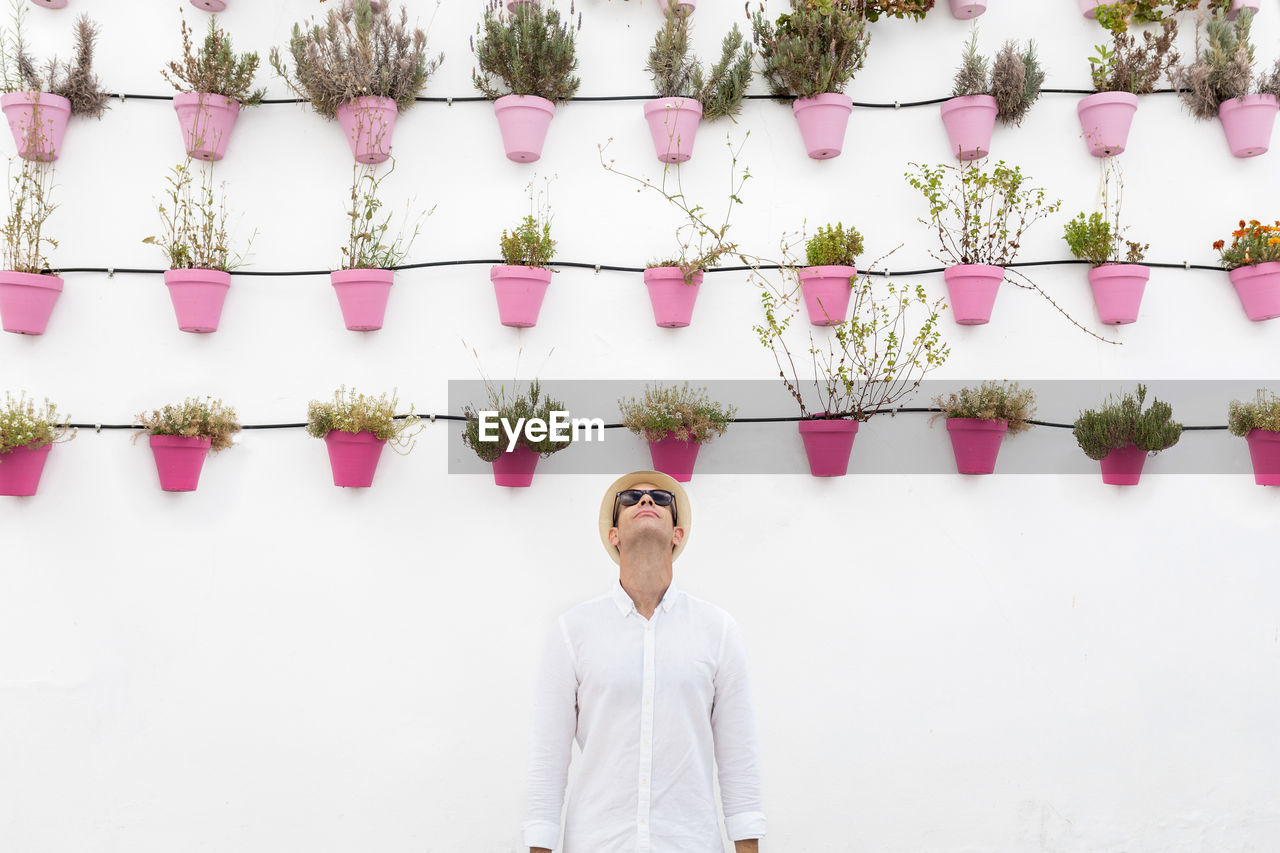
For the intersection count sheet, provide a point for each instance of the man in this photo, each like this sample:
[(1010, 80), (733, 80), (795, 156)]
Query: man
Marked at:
[(652, 683)]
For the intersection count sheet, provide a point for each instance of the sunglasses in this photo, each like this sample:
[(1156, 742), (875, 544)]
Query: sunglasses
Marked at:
[(631, 497)]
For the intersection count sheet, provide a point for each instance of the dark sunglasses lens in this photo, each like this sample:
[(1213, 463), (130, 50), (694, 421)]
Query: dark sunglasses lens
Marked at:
[(631, 497), (661, 497)]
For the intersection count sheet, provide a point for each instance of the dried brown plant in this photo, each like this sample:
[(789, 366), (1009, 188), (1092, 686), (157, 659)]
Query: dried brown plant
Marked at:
[(1130, 66), (1221, 70), (30, 206), (72, 80), (215, 67)]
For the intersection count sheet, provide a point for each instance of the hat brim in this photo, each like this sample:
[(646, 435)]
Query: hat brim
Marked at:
[(684, 511)]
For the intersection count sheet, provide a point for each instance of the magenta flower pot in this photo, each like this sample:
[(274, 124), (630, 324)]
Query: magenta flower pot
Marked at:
[(1088, 7), (1123, 466), (353, 457), (523, 121), (515, 468), (1258, 287), (970, 121), (1248, 122), (976, 443), (197, 297), (362, 296), (1238, 6), (26, 301), (206, 120), (684, 7), (368, 123), (179, 459), (672, 299), (828, 444), (1264, 452), (674, 457), (20, 470), (1106, 118), (1117, 291), (210, 5), (520, 291), (826, 293), (971, 290), (965, 9), (38, 121), (673, 123), (823, 120)]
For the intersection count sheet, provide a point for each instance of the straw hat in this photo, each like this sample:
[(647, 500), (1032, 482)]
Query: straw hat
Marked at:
[(684, 512)]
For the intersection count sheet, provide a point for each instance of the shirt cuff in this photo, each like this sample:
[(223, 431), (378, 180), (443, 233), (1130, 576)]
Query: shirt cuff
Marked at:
[(542, 834), (745, 825)]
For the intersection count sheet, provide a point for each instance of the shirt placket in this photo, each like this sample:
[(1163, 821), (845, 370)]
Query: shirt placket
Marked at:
[(646, 740)]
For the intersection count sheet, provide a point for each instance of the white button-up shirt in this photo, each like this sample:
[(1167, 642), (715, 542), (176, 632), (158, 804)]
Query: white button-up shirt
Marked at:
[(651, 703)]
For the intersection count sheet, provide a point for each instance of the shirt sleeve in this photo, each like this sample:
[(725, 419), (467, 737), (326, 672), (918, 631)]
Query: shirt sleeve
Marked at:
[(555, 722), (733, 727)]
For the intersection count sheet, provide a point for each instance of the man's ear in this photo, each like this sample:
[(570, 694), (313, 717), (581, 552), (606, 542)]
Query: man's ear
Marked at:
[(677, 536), (613, 537)]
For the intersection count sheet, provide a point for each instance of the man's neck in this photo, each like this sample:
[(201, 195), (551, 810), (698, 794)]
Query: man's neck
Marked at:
[(646, 578)]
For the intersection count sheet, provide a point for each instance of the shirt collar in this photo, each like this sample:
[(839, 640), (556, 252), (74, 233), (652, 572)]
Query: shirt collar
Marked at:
[(626, 605)]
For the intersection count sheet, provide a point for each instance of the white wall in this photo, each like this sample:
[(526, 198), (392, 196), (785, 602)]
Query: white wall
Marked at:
[(1006, 663)]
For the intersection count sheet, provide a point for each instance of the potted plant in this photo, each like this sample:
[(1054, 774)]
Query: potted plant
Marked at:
[(810, 54), (1099, 239), (979, 97), (182, 436), (213, 83), (1121, 434), (1217, 83), (827, 280), (1120, 74), (513, 465), (1116, 16), (520, 281), (1258, 422), (39, 99), (198, 247), (355, 428), (676, 421), (527, 65), (978, 419), (27, 433), (1252, 262), (362, 69), (686, 93)]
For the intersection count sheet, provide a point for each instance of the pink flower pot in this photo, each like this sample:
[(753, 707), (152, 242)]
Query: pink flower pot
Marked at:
[(673, 123), (1238, 6), (206, 120), (51, 4), (362, 296), (26, 301), (210, 5), (523, 121), (179, 459), (970, 121), (1105, 118), (672, 299), (828, 444), (966, 9), (368, 123), (520, 291), (353, 457), (1248, 122), (1264, 452), (1123, 466), (38, 121), (826, 293), (971, 290), (674, 457), (1117, 291), (1087, 7), (197, 297), (823, 120), (1258, 287), (515, 467), (976, 443), (684, 7), (20, 470)]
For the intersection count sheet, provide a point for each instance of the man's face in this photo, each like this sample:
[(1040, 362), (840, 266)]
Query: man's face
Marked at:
[(644, 520)]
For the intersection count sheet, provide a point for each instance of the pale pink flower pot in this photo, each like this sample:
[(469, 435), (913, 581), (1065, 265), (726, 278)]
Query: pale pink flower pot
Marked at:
[(210, 5), (1248, 122), (38, 121), (362, 296), (27, 300), (1238, 6), (353, 457), (965, 9), (673, 123), (179, 459), (971, 290), (51, 4), (515, 468), (823, 120), (1258, 287), (197, 296), (1117, 291), (674, 457), (970, 121), (206, 120), (1264, 452), (976, 443), (368, 123), (684, 7), (1106, 118), (672, 299), (519, 291), (826, 293), (828, 444), (523, 121), (20, 470), (1123, 466), (1088, 7)]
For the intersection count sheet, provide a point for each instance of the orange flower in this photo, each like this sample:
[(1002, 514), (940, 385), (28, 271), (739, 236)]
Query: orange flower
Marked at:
[(1239, 233), (1273, 241), (1241, 223), (1219, 244)]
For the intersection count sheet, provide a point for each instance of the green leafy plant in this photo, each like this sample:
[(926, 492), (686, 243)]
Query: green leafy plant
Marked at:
[(991, 401), (677, 74), (1124, 422), (1133, 66), (30, 205), (529, 51), (371, 244), (529, 244), (215, 67), (1260, 413), (814, 49), (1251, 243), (24, 424), (833, 246), (1118, 16), (876, 9), (1014, 79), (195, 222), (1222, 68), (354, 413), (72, 80), (1098, 237), (530, 404), (680, 412), (194, 418)]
